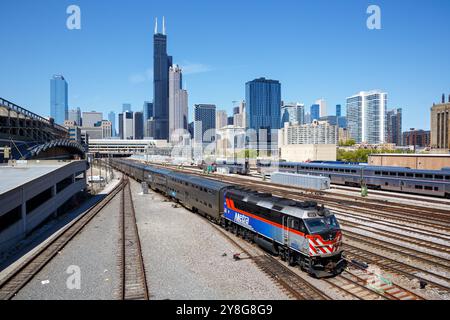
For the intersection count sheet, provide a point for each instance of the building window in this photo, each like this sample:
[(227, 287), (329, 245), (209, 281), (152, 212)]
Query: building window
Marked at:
[(38, 200), (10, 218)]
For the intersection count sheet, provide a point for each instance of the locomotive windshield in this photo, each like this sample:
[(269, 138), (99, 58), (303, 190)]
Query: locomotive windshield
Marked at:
[(323, 224)]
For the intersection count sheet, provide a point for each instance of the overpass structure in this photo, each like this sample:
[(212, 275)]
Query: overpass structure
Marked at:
[(19, 124), (27, 135)]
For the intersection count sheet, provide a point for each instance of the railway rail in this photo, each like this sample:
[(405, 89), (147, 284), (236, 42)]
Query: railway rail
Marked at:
[(292, 283), (416, 214), (393, 266), (133, 277), (26, 271)]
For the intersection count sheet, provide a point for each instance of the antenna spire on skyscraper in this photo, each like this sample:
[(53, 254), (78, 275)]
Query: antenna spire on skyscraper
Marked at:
[(156, 25), (164, 27)]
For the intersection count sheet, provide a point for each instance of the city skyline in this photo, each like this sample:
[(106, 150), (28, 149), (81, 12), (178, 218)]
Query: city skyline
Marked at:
[(213, 76)]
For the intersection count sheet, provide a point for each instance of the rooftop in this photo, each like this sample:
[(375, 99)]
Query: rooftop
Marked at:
[(25, 171), (442, 155)]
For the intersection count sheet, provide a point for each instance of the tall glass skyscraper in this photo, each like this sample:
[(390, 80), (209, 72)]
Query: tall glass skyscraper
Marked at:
[(338, 110), (315, 112), (263, 108), (366, 117), (59, 101), (112, 119), (204, 122), (161, 64)]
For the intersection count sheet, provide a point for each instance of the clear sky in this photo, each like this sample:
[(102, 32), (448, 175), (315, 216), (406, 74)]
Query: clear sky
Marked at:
[(314, 48)]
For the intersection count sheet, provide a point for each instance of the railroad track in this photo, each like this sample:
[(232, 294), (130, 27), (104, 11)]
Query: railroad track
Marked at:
[(409, 213), (385, 246), (322, 196), (292, 283), (25, 272), (133, 278), (399, 237), (354, 253)]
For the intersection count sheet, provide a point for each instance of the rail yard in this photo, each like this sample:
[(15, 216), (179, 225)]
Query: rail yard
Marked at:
[(152, 245)]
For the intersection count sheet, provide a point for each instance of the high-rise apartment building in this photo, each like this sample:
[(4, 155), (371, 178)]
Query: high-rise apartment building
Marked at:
[(394, 127), (366, 117), (59, 99), (317, 132), (178, 105)]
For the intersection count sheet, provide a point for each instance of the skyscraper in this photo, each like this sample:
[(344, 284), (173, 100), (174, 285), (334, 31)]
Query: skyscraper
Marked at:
[(138, 125), (75, 115), (178, 105), (293, 112), (112, 119), (338, 110), (322, 107), (148, 114), (128, 128), (315, 112), (221, 119), (263, 104), (90, 119), (59, 101), (161, 64), (366, 117), (394, 127), (204, 123), (120, 118)]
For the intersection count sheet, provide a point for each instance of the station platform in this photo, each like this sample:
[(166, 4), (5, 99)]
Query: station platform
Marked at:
[(31, 191)]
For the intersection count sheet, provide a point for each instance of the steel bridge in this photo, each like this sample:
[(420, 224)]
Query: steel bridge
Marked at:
[(19, 124)]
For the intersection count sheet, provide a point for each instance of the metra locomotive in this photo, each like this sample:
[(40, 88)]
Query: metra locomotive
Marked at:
[(300, 232), (424, 182)]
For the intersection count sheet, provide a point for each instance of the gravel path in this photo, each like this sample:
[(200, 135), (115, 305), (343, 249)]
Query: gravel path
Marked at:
[(94, 251), (185, 257)]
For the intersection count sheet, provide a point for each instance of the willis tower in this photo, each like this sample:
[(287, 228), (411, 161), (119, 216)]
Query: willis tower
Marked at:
[(161, 64)]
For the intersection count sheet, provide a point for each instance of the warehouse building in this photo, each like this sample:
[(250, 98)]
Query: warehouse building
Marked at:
[(413, 161)]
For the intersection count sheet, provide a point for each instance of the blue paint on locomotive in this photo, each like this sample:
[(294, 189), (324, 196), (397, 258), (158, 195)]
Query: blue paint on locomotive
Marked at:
[(261, 227)]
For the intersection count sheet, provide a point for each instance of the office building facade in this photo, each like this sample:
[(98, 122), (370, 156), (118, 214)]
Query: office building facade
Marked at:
[(262, 111), (138, 125), (204, 123), (293, 113), (221, 119), (75, 115), (417, 138), (90, 119), (59, 99), (440, 124), (178, 105), (314, 112), (112, 119)]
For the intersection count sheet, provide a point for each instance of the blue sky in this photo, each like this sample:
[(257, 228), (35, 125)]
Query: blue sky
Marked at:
[(314, 48)]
